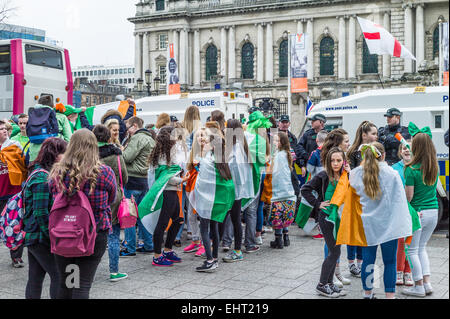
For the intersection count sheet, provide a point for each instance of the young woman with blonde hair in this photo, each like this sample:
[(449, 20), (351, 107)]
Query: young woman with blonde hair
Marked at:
[(114, 128), (81, 169)]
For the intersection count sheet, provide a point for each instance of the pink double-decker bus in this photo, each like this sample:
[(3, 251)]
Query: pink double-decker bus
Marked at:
[(30, 69)]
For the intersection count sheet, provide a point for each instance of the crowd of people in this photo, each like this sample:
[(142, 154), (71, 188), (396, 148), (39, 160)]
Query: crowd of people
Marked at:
[(209, 179)]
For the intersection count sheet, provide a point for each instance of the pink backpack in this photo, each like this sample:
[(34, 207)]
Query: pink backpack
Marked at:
[(72, 225), (127, 213)]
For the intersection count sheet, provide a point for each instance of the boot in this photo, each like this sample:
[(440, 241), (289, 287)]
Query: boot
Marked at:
[(277, 243), (286, 240)]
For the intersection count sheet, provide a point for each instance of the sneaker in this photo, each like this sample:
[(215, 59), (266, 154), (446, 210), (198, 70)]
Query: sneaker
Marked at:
[(371, 296), (416, 291), (326, 291), (342, 279), (233, 257), (400, 278), (192, 248), (252, 249), (226, 248), (354, 270), (18, 263), (177, 243), (142, 250), (338, 290), (407, 277), (123, 244), (259, 240), (125, 253), (161, 261), (268, 229), (189, 236), (140, 244), (337, 282), (318, 236), (200, 251), (428, 288), (207, 266), (172, 256), (117, 277)]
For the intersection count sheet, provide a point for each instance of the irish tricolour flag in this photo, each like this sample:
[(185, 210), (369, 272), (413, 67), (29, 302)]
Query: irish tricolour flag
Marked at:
[(150, 207), (95, 113), (380, 42)]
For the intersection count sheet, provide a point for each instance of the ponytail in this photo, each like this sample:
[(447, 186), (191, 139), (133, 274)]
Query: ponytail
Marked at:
[(371, 154)]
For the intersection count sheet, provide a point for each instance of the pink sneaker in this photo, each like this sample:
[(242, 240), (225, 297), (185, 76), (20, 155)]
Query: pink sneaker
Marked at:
[(200, 251), (192, 247)]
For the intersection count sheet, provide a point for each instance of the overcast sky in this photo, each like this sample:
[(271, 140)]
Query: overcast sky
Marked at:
[(96, 32)]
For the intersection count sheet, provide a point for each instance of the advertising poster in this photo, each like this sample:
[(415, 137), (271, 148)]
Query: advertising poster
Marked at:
[(174, 81), (299, 63)]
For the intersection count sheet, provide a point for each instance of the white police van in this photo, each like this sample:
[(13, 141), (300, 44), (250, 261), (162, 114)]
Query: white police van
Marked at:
[(233, 104), (425, 106)]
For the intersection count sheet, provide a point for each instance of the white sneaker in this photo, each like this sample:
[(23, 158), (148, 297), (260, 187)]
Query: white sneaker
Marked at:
[(408, 279), (342, 279), (428, 288), (337, 282), (268, 229), (400, 280), (416, 291), (259, 240)]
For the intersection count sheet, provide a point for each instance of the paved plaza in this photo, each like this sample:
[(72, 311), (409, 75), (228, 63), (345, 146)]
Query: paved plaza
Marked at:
[(291, 273)]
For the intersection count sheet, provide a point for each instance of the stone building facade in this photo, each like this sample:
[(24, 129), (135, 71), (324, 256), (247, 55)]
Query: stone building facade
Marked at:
[(244, 41)]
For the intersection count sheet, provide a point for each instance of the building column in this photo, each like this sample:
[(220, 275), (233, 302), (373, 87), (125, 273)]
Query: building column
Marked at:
[(183, 56), (138, 56), (352, 48), (176, 45), (387, 57), (269, 53), (300, 26), (223, 54), (408, 37), (420, 35), (231, 53), (260, 57), (310, 45), (341, 54), (145, 52), (197, 60)]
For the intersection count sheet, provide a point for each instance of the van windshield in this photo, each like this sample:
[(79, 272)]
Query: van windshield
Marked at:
[(5, 60)]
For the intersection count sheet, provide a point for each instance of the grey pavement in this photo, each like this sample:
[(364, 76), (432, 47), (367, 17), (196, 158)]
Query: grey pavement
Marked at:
[(291, 273)]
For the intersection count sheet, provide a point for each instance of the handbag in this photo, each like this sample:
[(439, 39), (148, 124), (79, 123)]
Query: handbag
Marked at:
[(127, 213)]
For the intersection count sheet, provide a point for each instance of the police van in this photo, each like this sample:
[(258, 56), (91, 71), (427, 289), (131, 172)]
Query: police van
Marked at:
[(425, 106), (234, 105)]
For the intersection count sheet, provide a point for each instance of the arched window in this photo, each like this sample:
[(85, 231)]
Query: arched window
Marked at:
[(211, 61), (247, 59), (327, 56), (160, 5), (370, 61), (436, 42), (284, 67)]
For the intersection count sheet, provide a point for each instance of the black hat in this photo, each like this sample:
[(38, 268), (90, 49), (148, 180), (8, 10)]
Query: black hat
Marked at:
[(392, 111), (284, 118), (319, 117), (253, 109), (173, 118)]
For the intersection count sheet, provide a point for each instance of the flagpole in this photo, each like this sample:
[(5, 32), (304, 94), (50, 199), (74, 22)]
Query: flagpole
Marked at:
[(379, 78), (289, 74), (441, 60)]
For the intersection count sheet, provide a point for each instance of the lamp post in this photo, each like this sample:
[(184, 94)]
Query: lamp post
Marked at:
[(140, 85), (148, 79), (157, 81)]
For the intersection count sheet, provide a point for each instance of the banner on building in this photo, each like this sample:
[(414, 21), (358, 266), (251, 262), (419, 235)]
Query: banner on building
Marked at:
[(298, 63), (173, 83), (443, 33)]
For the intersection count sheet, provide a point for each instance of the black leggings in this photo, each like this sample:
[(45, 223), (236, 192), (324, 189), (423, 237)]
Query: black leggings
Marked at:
[(41, 261), (235, 213), (82, 268), (334, 252), (169, 210), (209, 229)]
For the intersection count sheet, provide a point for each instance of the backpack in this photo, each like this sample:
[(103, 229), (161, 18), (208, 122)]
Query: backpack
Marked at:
[(42, 124), (11, 220), (72, 226)]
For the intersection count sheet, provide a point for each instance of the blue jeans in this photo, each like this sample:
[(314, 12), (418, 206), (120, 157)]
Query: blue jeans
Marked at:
[(114, 249), (354, 251), (281, 231), (389, 253), (130, 233), (260, 211)]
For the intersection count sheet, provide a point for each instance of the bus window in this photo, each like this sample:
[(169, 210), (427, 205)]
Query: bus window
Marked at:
[(5, 60), (44, 57)]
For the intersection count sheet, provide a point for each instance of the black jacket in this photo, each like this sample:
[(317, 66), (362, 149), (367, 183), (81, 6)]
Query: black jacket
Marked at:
[(305, 147), (318, 184), (354, 159), (386, 136)]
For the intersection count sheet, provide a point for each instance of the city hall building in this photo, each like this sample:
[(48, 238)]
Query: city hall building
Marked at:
[(244, 43)]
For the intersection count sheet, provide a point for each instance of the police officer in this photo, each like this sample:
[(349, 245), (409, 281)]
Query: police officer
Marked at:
[(307, 143), (386, 135)]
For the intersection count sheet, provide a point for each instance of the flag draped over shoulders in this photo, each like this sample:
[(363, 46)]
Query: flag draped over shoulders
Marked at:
[(12, 155)]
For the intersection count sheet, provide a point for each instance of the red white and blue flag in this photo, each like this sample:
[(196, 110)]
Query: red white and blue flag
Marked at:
[(380, 42), (309, 106)]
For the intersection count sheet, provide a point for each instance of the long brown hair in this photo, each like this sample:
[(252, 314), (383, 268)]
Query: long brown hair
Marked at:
[(81, 162), (236, 131), (163, 147), (218, 144), (196, 148), (365, 127), (333, 139), (219, 117), (284, 145), (424, 153), (163, 120), (371, 168), (192, 119), (327, 165)]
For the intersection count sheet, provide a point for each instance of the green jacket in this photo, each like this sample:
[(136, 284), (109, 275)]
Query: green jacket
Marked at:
[(65, 132), (137, 152)]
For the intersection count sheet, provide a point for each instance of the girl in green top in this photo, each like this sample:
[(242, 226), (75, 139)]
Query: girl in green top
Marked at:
[(421, 179)]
